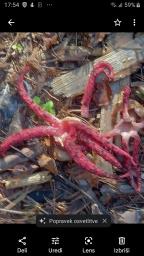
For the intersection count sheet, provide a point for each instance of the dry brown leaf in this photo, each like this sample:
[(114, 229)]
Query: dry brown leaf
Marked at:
[(47, 142), (49, 42), (52, 72), (61, 208), (48, 163)]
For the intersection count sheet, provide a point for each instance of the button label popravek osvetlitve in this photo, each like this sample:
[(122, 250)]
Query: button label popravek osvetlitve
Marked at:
[(70, 220)]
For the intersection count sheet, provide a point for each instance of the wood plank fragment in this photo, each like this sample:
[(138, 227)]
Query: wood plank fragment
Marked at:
[(124, 61), (34, 179)]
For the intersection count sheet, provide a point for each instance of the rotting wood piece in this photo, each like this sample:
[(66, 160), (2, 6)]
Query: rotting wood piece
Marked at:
[(124, 61), (34, 179)]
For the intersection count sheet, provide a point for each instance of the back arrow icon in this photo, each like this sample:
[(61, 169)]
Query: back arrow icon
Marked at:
[(10, 22)]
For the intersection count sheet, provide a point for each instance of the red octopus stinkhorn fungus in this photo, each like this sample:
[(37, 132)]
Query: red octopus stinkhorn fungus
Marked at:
[(78, 138), (128, 128), (93, 84)]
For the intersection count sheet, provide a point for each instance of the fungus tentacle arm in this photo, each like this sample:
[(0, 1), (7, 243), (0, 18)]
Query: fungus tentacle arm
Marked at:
[(51, 119), (27, 134)]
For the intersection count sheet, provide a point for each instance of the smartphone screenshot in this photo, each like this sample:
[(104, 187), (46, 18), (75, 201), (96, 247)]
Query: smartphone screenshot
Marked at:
[(71, 128)]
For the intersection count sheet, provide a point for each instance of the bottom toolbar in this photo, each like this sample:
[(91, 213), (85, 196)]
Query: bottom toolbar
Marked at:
[(31, 240)]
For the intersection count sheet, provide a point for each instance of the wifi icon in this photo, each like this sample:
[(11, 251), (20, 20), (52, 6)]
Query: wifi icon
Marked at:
[(120, 5)]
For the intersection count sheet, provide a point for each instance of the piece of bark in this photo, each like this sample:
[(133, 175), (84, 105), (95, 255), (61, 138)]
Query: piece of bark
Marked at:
[(16, 124), (73, 53), (124, 61), (34, 179), (11, 160)]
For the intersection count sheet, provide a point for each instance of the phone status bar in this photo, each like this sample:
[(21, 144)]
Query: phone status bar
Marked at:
[(28, 4)]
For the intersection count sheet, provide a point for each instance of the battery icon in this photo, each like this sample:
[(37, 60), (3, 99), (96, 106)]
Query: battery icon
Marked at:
[(138, 5)]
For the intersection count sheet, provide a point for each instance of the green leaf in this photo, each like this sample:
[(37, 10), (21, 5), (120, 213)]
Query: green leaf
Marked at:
[(37, 100), (52, 111), (49, 106), (17, 47)]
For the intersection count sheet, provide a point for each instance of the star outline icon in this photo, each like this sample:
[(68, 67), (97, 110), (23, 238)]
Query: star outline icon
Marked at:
[(117, 22)]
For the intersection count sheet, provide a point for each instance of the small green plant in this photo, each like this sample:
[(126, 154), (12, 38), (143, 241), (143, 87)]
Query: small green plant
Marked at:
[(48, 106), (37, 100), (17, 47)]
